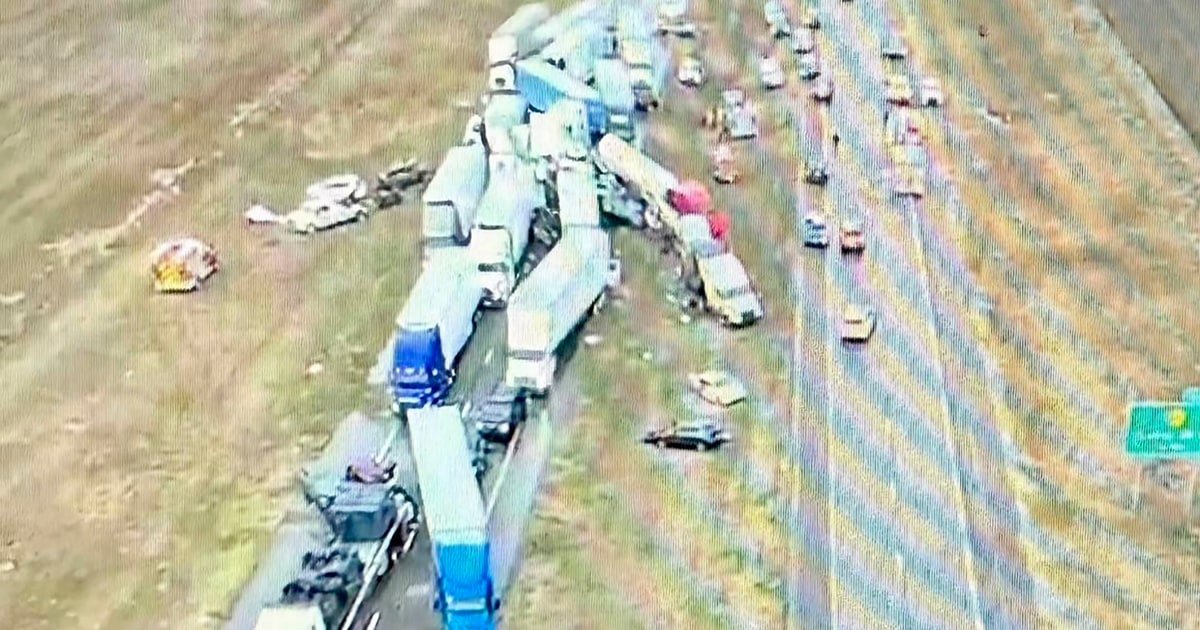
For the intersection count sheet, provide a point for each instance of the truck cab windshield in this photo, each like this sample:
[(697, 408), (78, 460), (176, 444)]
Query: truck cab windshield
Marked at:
[(406, 376)]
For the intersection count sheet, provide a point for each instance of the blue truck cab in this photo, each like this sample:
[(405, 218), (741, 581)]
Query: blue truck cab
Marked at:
[(455, 517), (433, 328), (418, 378)]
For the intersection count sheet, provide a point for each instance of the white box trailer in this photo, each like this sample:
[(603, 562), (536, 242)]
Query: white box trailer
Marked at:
[(643, 176), (578, 198), (445, 298), (502, 226), (563, 21), (505, 110), (551, 303), (560, 132), (452, 197), (516, 38)]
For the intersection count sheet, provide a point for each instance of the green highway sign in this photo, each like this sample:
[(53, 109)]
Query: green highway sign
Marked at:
[(1164, 429)]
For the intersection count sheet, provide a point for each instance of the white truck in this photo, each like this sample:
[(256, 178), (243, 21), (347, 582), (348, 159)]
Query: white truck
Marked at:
[(432, 329), (561, 132), (643, 176), (452, 197), (728, 292), (576, 50), (551, 303), (505, 110), (578, 198), (565, 20), (649, 64), (502, 227), (516, 38)]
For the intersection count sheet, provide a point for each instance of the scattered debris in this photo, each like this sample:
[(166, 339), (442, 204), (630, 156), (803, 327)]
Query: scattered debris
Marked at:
[(181, 264), (718, 387), (685, 318), (314, 368), (259, 213), (592, 340), (647, 356), (12, 299), (8, 566)]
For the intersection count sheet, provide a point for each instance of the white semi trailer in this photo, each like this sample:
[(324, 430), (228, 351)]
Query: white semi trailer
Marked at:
[(643, 176), (502, 227), (567, 284), (517, 38), (452, 197), (578, 196)]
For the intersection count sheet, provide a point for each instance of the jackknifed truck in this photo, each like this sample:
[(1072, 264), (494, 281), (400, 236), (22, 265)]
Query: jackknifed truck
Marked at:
[(552, 302), (502, 227), (452, 197), (641, 175), (433, 328), (516, 38), (455, 518), (543, 85)]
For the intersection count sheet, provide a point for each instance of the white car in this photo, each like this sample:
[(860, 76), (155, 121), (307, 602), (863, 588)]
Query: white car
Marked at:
[(931, 93), (809, 65), (347, 188), (691, 72), (717, 387), (822, 90), (770, 73), (317, 214), (803, 41), (858, 322)]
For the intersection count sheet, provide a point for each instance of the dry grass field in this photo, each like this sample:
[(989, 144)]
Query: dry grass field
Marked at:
[(148, 440)]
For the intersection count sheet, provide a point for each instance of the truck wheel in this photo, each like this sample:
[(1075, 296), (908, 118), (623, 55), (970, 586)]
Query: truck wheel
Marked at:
[(701, 447), (310, 228)]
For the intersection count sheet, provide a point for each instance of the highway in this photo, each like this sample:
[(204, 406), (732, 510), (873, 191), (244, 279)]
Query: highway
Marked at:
[(899, 548)]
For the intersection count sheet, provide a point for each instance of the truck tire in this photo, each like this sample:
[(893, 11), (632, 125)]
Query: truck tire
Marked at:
[(701, 447)]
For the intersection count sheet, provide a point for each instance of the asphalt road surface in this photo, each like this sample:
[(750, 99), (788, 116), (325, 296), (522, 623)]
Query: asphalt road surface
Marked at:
[(900, 553)]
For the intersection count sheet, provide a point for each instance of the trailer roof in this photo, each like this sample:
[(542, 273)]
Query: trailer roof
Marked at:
[(509, 179), (450, 272), (578, 197), (579, 251), (456, 168), (726, 271), (560, 80), (450, 496)]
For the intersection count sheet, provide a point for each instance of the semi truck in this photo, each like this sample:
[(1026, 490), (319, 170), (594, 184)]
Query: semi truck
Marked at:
[(613, 82), (455, 518), (452, 196), (642, 176), (516, 38), (543, 85), (564, 20), (434, 326), (502, 227), (576, 50), (578, 197), (560, 132), (505, 110), (649, 64), (551, 303), (372, 522)]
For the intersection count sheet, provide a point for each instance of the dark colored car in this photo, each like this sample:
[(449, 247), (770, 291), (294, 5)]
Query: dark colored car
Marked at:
[(497, 418), (700, 436)]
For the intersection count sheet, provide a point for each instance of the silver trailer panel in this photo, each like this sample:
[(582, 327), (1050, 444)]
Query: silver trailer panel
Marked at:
[(452, 196)]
